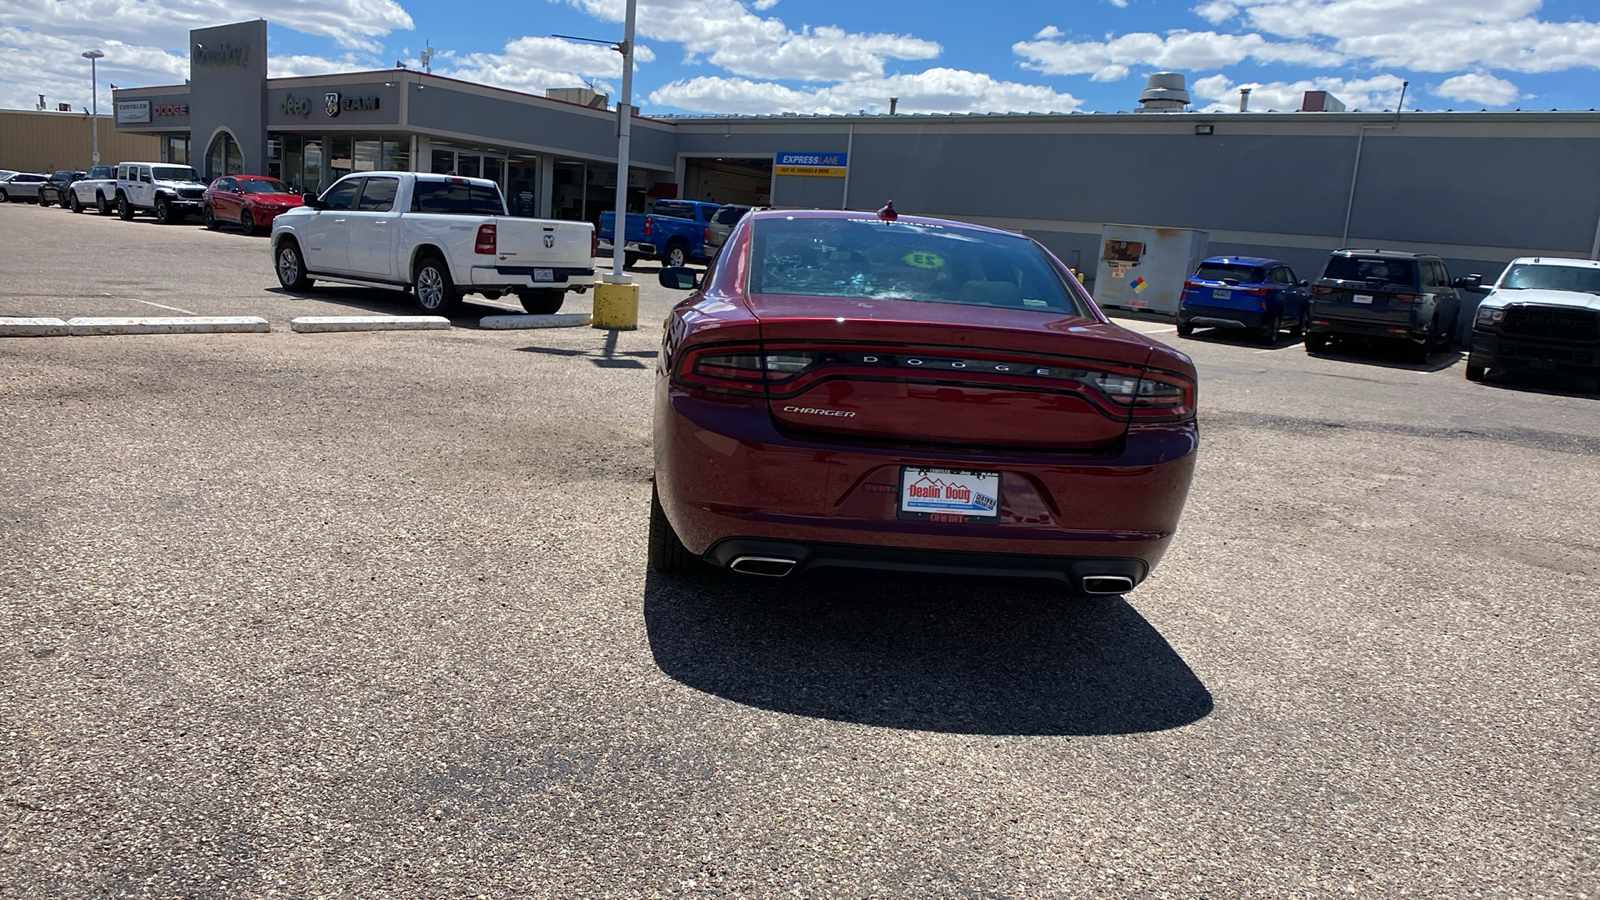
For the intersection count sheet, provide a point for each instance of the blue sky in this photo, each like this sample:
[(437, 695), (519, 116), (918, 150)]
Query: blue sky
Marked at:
[(772, 56)]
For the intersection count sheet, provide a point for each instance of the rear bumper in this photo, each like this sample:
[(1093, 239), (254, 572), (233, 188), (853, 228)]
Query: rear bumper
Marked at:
[(1493, 351), (1323, 322), (541, 277), (1222, 317), (727, 478)]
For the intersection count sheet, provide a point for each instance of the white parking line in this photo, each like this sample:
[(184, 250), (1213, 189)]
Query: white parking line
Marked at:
[(1162, 330), (189, 312), (1278, 349)]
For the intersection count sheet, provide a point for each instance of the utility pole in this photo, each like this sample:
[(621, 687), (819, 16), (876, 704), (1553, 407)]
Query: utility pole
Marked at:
[(94, 92)]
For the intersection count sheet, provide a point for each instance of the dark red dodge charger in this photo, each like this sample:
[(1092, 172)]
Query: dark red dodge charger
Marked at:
[(878, 391)]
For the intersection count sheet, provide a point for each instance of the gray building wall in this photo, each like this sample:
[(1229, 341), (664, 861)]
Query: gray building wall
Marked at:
[(228, 91)]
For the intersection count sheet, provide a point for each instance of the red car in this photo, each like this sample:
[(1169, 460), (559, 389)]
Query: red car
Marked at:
[(251, 201), (873, 391)]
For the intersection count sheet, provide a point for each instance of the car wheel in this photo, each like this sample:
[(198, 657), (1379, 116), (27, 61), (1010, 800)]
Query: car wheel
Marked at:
[(676, 255), (124, 208), (101, 206), (1303, 327), (211, 218), (43, 200), (1185, 329), (163, 211), (1476, 373), (75, 204), (290, 267), (4, 197), (1316, 343), (629, 260), (542, 303), (432, 288), (666, 553), (247, 221), (1268, 333)]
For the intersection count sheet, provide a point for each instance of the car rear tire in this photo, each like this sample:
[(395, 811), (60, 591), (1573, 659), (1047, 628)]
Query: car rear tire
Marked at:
[(291, 268), (101, 206), (432, 289), (1316, 343), (75, 204), (677, 255), (4, 197), (43, 200), (247, 221), (124, 208), (1268, 333), (211, 218), (629, 260), (666, 553), (1185, 329), (542, 303), (1476, 373)]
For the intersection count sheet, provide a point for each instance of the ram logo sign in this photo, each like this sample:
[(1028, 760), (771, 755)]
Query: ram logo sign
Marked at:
[(331, 103)]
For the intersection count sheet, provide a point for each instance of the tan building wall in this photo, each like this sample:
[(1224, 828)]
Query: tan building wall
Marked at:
[(32, 141)]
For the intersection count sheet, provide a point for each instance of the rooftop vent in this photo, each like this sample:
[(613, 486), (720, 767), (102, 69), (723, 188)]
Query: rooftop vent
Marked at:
[(1321, 101), (582, 96), (1164, 92)]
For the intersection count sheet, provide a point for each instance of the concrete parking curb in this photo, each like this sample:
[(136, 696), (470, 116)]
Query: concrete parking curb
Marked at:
[(552, 320), (26, 326), (107, 325), (319, 324)]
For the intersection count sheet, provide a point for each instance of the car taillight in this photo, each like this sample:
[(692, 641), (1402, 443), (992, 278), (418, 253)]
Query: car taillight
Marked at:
[(594, 243), (1258, 291), (1319, 289), (1151, 398), (705, 235), (486, 240), (724, 368), (1407, 298), (1190, 284), (649, 226)]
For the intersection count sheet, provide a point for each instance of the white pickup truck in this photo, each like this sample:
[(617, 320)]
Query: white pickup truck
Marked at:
[(169, 190), (438, 236)]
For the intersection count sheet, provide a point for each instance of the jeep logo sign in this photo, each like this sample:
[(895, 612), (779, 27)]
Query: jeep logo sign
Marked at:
[(296, 106)]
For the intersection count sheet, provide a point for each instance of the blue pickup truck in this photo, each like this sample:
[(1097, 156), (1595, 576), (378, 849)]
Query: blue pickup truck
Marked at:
[(674, 232)]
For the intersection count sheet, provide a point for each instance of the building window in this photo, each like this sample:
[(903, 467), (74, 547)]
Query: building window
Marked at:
[(175, 150), (224, 157)]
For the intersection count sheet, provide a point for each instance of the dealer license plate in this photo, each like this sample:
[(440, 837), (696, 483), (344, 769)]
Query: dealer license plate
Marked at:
[(1362, 298), (1221, 293), (544, 274), (949, 492)]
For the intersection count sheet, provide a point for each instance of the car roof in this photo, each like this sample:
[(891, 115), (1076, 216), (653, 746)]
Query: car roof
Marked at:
[(759, 214), (1262, 261), (1385, 254), (1556, 261)]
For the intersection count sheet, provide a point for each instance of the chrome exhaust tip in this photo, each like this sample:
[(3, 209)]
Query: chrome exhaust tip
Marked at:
[(1099, 585), (769, 566)]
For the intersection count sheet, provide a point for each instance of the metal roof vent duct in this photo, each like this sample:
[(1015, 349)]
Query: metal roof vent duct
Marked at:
[(1164, 92)]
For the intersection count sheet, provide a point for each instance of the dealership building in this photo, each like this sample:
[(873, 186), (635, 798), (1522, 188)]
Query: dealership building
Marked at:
[(1477, 188)]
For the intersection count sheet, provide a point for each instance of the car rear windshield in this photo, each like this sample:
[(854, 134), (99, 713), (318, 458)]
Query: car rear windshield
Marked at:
[(1231, 272), (1377, 271), (174, 173), (458, 198), (673, 210), (936, 263), (1551, 278), (730, 214), (264, 186)]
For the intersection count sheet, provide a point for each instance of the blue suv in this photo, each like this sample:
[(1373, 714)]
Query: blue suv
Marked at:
[(1250, 292)]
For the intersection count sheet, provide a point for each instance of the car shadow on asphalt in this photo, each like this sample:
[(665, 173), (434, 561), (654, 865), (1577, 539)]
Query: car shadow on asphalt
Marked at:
[(962, 656), (1386, 354), (1241, 338), (392, 303), (1553, 384)]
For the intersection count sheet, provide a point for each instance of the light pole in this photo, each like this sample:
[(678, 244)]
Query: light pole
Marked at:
[(624, 132), (94, 92)]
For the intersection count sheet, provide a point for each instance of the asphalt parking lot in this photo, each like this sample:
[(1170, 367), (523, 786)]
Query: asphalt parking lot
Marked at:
[(367, 615)]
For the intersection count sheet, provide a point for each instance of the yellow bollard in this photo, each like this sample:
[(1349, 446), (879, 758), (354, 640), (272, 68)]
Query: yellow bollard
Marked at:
[(616, 306)]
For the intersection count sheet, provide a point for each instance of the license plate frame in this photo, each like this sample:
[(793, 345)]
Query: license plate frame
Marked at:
[(1361, 298), (981, 502), (544, 275), (1221, 294)]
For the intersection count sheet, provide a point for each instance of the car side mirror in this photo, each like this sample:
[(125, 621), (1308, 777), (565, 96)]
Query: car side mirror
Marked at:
[(678, 278), (1302, 283), (313, 201), (1470, 283)]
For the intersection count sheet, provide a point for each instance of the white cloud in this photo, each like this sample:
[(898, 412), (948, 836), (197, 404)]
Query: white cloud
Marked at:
[(1188, 50), (1476, 88), (1216, 11), (32, 63), (727, 34), (935, 90), (351, 23), (1218, 93), (764, 4), (1119, 4), (533, 64)]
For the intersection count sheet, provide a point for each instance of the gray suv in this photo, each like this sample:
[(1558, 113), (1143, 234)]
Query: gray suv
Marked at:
[(1386, 294)]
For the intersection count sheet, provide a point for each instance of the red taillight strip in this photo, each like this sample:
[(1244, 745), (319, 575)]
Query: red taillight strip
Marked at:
[(698, 367)]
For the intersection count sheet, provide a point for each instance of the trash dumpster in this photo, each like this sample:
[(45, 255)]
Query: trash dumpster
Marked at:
[(1143, 268)]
